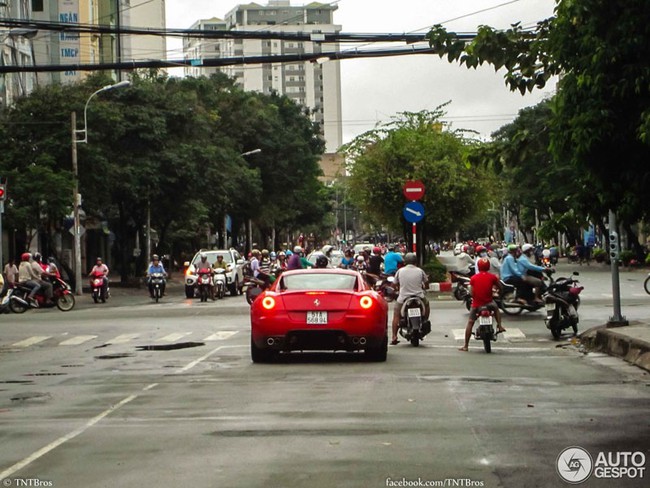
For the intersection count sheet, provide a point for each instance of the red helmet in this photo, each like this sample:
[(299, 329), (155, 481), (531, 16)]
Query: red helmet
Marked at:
[(465, 248), (480, 249), (25, 256), (484, 264), (376, 250)]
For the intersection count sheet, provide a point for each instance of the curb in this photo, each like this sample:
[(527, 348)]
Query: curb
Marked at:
[(633, 350), (444, 287)]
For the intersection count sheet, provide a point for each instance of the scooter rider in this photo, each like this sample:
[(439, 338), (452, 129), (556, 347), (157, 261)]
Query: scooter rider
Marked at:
[(482, 284), (512, 275), (526, 267), (411, 281), (102, 269), (29, 277), (156, 267), (392, 261), (41, 269)]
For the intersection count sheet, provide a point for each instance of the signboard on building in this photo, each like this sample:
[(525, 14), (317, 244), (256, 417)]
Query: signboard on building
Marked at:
[(69, 45)]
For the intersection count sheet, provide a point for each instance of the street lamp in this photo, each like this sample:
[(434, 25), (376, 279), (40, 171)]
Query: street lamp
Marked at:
[(75, 171)]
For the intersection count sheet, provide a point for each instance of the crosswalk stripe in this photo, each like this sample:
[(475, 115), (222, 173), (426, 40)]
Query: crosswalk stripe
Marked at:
[(75, 341), (31, 341), (222, 335), (513, 333), (459, 334), (174, 337), (123, 339)]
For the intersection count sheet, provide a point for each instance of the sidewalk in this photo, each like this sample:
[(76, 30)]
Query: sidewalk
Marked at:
[(631, 342)]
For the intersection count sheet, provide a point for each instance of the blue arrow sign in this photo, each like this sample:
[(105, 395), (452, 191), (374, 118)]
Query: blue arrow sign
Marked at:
[(413, 212)]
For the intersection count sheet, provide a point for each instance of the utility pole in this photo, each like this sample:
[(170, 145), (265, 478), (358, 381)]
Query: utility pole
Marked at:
[(75, 210), (616, 320)]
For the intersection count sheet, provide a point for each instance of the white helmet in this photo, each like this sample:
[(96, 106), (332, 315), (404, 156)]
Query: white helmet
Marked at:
[(546, 253), (297, 249), (526, 247), (360, 258)]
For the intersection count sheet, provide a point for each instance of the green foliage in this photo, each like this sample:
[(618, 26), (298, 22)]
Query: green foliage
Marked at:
[(626, 256), (412, 147), (435, 270)]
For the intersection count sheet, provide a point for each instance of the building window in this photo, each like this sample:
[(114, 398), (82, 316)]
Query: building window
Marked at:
[(37, 5)]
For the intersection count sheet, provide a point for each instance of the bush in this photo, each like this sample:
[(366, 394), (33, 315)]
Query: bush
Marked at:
[(599, 254), (435, 270), (626, 256), (647, 259)]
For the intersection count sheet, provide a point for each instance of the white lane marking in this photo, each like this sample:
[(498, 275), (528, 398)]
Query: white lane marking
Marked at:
[(189, 366), (222, 335), (459, 334), (53, 445), (31, 341), (75, 341), (173, 337), (513, 333), (123, 339)]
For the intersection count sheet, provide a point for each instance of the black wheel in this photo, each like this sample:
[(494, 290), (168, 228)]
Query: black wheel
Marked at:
[(189, 291), (646, 285), (235, 289), (468, 303), (259, 355), (487, 342), (378, 354), (156, 294), (65, 303), (204, 293), (95, 297), (16, 307), (556, 331), (512, 310), (250, 297), (575, 329), (415, 341)]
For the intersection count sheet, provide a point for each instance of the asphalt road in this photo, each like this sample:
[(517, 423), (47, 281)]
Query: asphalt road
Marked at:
[(84, 402)]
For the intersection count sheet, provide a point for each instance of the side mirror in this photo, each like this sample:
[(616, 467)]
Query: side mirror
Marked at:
[(240, 261)]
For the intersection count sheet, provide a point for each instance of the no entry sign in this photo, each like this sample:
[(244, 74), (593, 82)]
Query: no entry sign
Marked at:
[(413, 190)]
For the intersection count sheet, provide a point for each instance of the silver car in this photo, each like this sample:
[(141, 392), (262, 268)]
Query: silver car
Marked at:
[(234, 272)]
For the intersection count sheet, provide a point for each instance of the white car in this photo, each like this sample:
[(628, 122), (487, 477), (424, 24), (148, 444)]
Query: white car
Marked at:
[(234, 272)]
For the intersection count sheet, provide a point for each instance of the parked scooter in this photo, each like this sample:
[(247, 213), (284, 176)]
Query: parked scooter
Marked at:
[(220, 282), (562, 300), (61, 295), (97, 287), (414, 325), (204, 283), (485, 330), (157, 281)]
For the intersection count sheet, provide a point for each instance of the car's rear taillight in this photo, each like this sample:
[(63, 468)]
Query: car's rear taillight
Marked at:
[(365, 302), (268, 303)]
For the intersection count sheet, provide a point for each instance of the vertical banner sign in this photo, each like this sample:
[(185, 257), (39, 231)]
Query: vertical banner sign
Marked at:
[(69, 42)]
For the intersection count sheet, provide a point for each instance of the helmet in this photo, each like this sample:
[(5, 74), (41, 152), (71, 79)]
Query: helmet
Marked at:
[(327, 249), (25, 256), (376, 250), (204, 256), (99, 258), (484, 264), (265, 252), (391, 247), (297, 249), (367, 249), (526, 248), (273, 255), (321, 261), (37, 256), (51, 260), (288, 253), (480, 249), (255, 252), (512, 248), (546, 253), (410, 258), (360, 258), (155, 257), (465, 248)]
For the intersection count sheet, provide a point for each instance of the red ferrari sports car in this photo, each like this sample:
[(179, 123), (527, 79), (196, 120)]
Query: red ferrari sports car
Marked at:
[(319, 310)]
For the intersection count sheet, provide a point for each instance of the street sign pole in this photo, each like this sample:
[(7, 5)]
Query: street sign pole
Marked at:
[(415, 238)]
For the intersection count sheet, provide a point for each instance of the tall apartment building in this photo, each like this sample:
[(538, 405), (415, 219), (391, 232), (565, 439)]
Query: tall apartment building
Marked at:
[(314, 85), (196, 48), (16, 49)]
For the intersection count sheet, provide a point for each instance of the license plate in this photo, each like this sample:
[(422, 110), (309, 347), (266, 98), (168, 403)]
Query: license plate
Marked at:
[(317, 318), (414, 312), (550, 306), (485, 320)]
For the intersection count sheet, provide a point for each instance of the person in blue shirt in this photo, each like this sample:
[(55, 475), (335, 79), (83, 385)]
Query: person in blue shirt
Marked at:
[(348, 260), (511, 273), (392, 260), (528, 270), (155, 267)]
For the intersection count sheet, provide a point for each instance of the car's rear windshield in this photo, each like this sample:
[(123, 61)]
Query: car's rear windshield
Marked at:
[(212, 257), (319, 281)]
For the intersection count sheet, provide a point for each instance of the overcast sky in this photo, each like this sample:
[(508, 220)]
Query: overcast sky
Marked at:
[(373, 90)]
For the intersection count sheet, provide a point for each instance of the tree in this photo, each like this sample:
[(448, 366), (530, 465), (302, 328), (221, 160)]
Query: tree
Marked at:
[(413, 147), (601, 114)]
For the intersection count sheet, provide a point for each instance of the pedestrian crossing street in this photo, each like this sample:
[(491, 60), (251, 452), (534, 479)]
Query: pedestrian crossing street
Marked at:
[(122, 339)]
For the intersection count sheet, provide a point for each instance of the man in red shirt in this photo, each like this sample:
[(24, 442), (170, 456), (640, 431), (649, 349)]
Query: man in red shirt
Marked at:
[(482, 285)]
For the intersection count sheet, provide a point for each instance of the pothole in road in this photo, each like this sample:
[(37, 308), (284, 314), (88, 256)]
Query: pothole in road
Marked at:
[(442, 379), (299, 432), (115, 356), (17, 382), (31, 396), (170, 347), (46, 374)]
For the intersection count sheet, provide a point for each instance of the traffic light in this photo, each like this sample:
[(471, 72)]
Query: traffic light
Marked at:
[(3, 192), (613, 245)]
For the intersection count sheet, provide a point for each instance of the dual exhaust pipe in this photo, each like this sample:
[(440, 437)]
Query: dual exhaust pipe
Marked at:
[(361, 341)]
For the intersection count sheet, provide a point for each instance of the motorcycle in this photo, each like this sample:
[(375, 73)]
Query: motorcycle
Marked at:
[(61, 295), (254, 288), (485, 330), (562, 300), (462, 291), (646, 284), (157, 281), (97, 287), (204, 283), (413, 325), (384, 286), (509, 298), (220, 282)]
